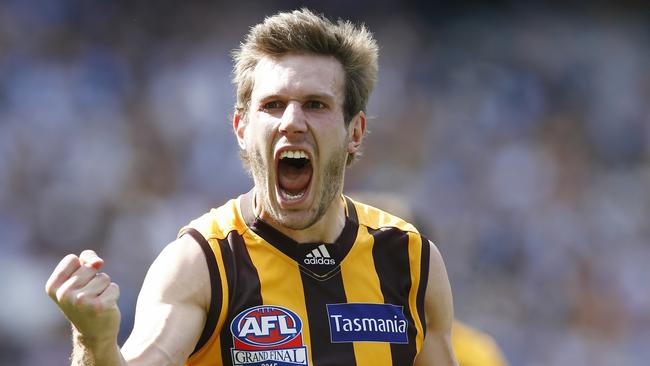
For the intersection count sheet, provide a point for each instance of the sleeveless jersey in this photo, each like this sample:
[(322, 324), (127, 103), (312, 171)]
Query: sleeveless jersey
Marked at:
[(275, 302)]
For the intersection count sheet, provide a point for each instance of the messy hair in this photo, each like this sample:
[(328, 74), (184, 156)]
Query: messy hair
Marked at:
[(302, 31)]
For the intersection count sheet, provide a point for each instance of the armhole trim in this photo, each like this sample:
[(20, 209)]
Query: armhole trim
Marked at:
[(424, 282), (215, 288)]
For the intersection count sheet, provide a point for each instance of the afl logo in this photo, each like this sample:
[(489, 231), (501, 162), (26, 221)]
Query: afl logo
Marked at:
[(266, 326), (268, 335)]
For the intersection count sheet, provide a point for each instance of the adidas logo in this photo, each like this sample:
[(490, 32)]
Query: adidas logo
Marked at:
[(319, 255)]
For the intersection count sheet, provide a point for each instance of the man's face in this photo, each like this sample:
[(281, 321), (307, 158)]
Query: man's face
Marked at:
[(295, 139)]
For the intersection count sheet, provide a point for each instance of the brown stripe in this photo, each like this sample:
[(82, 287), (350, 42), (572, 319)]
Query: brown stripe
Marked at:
[(215, 285), (246, 290), (391, 257), (229, 263), (317, 295)]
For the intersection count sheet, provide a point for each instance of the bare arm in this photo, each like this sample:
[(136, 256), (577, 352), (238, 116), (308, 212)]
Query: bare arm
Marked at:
[(172, 307), (170, 313), (439, 312)]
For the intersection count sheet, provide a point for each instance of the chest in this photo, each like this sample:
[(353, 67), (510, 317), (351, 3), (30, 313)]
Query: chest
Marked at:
[(322, 304)]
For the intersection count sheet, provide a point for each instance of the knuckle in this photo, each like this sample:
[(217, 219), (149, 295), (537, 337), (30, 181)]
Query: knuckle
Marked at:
[(99, 306), (116, 288), (80, 299), (69, 258), (84, 300), (103, 277), (63, 295)]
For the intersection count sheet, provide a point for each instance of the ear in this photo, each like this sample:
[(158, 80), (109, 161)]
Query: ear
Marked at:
[(239, 126), (356, 131)]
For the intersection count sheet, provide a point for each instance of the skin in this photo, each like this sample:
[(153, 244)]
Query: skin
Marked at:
[(439, 313), (296, 103)]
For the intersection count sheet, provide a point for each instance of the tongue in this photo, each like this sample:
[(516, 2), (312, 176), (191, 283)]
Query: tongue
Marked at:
[(294, 180)]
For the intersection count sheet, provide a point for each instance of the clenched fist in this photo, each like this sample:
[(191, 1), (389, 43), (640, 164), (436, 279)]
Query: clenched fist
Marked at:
[(86, 296)]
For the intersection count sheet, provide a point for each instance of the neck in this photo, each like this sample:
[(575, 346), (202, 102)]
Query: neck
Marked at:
[(326, 230)]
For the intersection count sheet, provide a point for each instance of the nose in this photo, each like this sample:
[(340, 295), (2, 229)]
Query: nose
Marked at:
[(293, 120)]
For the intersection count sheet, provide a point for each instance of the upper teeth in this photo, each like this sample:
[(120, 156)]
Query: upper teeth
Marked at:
[(293, 154)]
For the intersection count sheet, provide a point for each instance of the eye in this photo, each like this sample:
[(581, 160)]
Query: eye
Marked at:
[(315, 104), (273, 105)]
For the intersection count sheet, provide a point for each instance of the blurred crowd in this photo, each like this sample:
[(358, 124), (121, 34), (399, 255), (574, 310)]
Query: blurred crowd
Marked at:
[(521, 136)]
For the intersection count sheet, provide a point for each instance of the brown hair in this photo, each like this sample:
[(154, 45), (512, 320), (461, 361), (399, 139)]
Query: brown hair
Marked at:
[(302, 31)]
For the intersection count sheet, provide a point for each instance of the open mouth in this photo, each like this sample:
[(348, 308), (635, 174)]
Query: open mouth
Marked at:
[(294, 174)]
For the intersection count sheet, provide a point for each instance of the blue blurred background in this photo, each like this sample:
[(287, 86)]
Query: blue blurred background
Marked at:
[(519, 133)]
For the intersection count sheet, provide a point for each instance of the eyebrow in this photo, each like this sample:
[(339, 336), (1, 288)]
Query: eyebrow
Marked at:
[(318, 96), (323, 96)]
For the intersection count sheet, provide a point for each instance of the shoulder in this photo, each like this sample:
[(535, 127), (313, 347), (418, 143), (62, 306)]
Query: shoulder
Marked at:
[(438, 297), (438, 280), (179, 274), (376, 218), (217, 222)]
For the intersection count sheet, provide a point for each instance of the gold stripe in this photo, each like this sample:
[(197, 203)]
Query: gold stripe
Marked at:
[(280, 281), (361, 284), (415, 255), (210, 353)]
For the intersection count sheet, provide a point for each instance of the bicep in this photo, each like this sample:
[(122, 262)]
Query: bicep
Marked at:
[(172, 307), (438, 306)]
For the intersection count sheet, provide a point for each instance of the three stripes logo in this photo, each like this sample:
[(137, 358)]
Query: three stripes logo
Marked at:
[(319, 255)]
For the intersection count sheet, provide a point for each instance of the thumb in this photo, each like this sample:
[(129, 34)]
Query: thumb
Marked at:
[(90, 258)]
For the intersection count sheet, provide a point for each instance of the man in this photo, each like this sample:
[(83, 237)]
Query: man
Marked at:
[(293, 272)]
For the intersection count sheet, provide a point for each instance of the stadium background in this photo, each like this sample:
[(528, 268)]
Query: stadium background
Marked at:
[(521, 133)]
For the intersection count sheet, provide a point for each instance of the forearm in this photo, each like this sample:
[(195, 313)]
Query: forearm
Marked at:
[(92, 353)]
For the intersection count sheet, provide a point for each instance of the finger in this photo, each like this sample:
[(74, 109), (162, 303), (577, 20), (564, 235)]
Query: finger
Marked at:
[(97, 285), (90, 258), (110, 295), (66, 267), (88, 295), (78, 280)]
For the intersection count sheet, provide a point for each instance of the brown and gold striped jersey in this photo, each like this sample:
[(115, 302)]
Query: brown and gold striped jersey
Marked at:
[(275, 302)]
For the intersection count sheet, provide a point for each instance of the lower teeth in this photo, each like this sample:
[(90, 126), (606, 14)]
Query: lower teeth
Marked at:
[(291, 196)]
